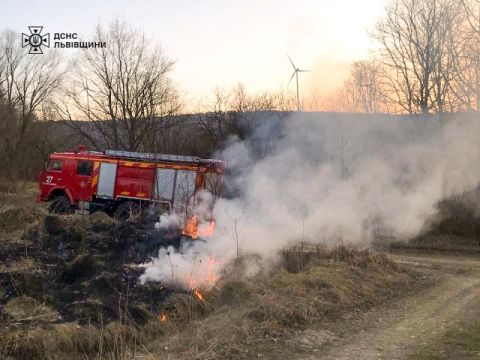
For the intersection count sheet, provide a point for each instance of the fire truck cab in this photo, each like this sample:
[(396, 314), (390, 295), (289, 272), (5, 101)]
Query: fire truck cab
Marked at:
[(123, 182)]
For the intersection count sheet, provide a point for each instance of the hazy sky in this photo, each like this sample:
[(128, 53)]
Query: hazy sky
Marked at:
[(219, 43)]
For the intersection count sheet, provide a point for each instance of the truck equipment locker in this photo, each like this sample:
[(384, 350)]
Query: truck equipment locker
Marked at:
[(106, 180)]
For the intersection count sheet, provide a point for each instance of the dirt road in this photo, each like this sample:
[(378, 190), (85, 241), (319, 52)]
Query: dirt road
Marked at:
[(394, 331)]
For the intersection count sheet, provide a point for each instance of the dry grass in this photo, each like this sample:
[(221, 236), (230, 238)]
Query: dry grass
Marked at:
[(71, 341), (455, 227), (21, 193), (458, 215), (237, 317), (257, 314), (24, 308), (257, 304)]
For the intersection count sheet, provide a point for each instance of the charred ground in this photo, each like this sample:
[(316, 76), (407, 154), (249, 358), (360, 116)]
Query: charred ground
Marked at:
[(84, 267)]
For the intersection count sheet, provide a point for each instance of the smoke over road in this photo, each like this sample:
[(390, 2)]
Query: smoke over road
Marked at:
[(325, 178)]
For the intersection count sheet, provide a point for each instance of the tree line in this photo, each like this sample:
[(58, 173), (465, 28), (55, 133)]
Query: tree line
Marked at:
[(427, 61), (122, 96)]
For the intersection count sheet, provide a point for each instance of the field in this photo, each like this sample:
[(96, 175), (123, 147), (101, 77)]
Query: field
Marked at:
[(69, 289), (249, 212)]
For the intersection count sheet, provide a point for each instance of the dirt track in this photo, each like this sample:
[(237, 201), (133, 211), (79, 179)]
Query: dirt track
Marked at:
[(394, 331)]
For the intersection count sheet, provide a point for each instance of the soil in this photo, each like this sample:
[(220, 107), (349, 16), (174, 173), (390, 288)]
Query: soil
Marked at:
[(396, 330)]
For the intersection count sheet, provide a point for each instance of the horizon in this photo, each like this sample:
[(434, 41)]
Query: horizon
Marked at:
[(239, 42)]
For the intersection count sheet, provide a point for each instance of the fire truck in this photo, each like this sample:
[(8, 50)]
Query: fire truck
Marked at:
[(125, 183)]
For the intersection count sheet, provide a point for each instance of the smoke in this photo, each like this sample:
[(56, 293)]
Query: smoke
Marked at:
[(168, 221), (191, 268), (330, 177)]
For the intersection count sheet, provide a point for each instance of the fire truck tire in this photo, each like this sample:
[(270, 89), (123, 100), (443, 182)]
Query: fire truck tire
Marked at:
[(61, 205), (127, 210)]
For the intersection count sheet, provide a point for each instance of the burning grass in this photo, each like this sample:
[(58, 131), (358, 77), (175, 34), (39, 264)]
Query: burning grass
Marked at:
[(243, 317)]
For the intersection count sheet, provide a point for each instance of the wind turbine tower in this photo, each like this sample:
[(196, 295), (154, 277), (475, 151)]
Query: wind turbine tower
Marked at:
[(296, 70)]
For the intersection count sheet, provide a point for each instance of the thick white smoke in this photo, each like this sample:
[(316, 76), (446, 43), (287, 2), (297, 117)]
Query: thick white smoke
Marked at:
[(334, 178)]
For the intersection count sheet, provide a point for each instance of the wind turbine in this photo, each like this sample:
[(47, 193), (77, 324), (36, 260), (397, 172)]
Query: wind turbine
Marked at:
[(296, 70)]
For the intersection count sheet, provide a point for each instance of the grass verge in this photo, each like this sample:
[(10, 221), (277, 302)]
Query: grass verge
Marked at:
[(256, 317), (462, 342), (241, 317)]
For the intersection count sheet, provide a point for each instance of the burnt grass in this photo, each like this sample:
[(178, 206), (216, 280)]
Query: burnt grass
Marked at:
[(84, 269)]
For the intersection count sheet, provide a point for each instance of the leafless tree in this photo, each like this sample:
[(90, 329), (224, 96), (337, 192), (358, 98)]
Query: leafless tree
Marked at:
[(26, 82), (233, 113), (467, 71), (415, 52), (50, 134), (362, 91), (123, 90), (241, 102), (213, 123), (472, 9)]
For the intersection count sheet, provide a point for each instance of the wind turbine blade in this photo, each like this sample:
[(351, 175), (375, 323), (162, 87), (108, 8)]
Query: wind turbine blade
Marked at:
[(289, 81), (291, 62), (304, 70)]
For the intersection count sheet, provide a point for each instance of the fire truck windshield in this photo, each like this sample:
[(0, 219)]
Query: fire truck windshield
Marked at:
[(55, 164)]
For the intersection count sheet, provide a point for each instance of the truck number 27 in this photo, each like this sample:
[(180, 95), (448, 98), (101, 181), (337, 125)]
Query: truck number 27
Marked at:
[(49, 179)]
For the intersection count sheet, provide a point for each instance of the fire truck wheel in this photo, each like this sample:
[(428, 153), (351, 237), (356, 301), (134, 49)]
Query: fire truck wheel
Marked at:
[(127, 210), (61, 205)]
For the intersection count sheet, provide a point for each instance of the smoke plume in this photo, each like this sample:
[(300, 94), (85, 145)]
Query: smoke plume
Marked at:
[(330, 177)]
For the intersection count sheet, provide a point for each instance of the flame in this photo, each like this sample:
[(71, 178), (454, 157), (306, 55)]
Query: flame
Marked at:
[(163, 317), (212, 277), (206, 230), (195, 230), (198, 294), (209, 274), (191, 228), (210, 280)]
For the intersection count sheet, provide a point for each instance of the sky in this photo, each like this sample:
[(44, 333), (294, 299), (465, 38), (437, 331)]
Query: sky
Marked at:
[(221, 43)]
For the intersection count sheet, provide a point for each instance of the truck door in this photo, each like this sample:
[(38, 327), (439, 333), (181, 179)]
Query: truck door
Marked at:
[(83, 180), (52, 177)]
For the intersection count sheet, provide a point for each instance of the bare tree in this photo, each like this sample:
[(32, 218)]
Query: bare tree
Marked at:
[(472, 9), (467, 52), (50, 134), (362, 91), (233, 113), (123, 89), (26, 82), (214, 121), (415, 54)]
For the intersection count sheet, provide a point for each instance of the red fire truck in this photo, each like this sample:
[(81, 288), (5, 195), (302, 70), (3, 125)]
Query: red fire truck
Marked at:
[(123, 183)]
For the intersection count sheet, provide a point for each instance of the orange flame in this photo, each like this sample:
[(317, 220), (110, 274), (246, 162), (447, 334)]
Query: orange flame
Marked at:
[(198, 294), (191, 228), (207, 230), (163, 317), (194, 230), (211, 276)]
